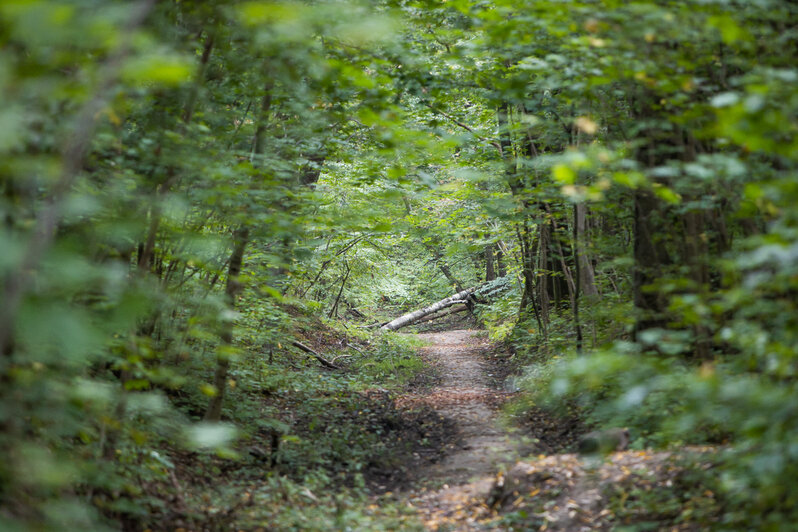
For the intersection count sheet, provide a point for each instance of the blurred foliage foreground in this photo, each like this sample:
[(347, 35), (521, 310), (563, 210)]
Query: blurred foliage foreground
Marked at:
[(190, 190)]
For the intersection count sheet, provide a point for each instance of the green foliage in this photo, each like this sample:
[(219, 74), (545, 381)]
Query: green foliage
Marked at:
[(663, 401), (377, 156), (691, 106), (137, 137), (392, 363), (500, 317)]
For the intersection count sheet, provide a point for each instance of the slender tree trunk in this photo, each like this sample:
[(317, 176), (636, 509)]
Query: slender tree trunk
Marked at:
[(654, 223), (334, 309), (528, 272), (236, 263), (188, 113), (515, 182), (650, 259), (191, 102), (327, 262), (500, 265), (443, 266), (490, 271), (259, 140), (566, 271), (586, 275), (543, 265), (695, 252), (232, 289), (577, 288), (506, 144), (147, 249), (695, 248), (447, 272)]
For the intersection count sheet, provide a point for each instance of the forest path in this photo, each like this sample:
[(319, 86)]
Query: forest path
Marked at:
[(465, 396), (559, 491)]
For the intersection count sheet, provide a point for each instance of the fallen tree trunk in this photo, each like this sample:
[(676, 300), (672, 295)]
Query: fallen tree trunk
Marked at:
[(449, 312), (409, 319)]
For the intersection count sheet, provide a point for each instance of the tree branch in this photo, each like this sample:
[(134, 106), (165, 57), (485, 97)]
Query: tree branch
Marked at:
[(324, 362), (464, 126)]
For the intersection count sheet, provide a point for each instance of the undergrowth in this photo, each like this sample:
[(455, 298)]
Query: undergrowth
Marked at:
[(301, 447)]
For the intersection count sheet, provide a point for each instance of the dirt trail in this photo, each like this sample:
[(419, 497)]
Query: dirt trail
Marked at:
[(465, 396), (561, 491)]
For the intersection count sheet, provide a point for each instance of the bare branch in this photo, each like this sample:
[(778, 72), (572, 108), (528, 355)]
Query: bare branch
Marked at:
[(324, 362)]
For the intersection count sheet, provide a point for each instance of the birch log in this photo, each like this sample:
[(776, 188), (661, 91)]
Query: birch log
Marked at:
[(449, 312), (408, 319)]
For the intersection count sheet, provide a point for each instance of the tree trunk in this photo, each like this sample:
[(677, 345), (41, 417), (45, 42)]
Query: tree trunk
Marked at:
[(334, 309), (695, 251), (233, 288), (651, 258), (566, 271), (443, 266), (587, 278), (412, 317), (259, 140), (526, 241), (500, 265), (543, 265), (449, 312), (188, 111), (490, 270)]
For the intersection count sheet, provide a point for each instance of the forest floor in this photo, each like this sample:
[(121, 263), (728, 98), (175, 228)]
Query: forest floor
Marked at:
[(482, 483), (440, 452)]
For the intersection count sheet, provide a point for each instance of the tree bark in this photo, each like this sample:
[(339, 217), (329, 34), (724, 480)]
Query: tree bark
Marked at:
[(412, 317), (449, 312), (490, 270)]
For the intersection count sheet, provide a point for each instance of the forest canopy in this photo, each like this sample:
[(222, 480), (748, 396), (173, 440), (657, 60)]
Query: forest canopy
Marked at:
[(209, 208)]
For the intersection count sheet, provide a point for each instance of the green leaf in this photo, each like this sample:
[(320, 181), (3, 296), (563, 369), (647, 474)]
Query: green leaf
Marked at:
[(157, 69), (211, 435), (564, 174)]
